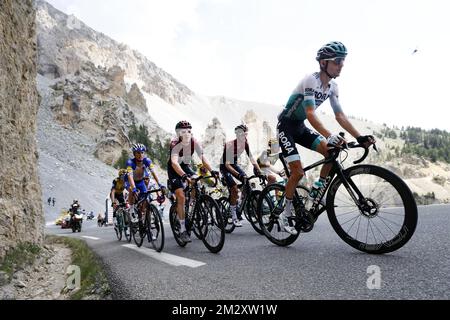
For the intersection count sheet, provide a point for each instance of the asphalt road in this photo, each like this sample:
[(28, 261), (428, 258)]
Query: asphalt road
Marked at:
[(319, 265)]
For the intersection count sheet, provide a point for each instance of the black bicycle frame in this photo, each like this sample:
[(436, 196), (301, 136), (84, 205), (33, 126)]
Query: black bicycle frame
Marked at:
[(338, 170)]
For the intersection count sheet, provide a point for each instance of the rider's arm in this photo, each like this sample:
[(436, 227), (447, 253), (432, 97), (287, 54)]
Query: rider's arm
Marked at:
[(316, 123), (341, 118), (343, 121), (151, 167), (129, 167), (176, 166), (131, 181), (155, 177), (250, 156), (231, 169), (199, 150), (206, 163)]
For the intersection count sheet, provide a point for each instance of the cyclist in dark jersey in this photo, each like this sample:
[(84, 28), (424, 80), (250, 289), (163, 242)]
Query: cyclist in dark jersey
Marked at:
[(230, 168), (182, 149), (310, 93), (118, 188)]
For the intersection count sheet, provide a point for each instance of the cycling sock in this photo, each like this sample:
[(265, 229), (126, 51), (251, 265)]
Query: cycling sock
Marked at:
[(132, 209), (288, 207), (182, 226), (233, 212)]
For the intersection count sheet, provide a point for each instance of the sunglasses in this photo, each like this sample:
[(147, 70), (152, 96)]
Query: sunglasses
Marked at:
[(337, 60)]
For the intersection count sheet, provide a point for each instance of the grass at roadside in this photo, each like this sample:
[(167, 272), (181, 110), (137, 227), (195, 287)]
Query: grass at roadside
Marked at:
[(93, 279), (18, 258)]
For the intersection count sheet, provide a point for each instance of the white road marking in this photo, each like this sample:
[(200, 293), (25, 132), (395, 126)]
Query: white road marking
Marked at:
[(92, 238), (166, 257)]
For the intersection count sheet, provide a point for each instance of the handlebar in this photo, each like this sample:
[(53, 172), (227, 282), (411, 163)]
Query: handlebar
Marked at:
[(354, 145), (262, 180), (196, 180)]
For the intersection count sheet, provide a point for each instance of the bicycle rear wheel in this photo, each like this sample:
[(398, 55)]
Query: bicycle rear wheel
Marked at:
[(175, 225), (118, 227), (271, 204), (212, 229), (387, 216), (224, 204), (155, 228), (127, 225)]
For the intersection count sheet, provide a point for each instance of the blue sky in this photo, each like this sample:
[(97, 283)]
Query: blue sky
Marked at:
[(258, 50)]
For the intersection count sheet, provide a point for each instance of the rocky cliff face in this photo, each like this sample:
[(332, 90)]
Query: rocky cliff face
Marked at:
[(66, 43), (94, 89), (21, 218)]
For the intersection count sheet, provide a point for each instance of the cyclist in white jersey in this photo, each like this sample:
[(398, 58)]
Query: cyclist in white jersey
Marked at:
[(310, 93)]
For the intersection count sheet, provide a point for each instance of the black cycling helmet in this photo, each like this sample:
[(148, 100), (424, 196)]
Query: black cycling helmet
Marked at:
[(183, 125), (242, 127), (334, 49)]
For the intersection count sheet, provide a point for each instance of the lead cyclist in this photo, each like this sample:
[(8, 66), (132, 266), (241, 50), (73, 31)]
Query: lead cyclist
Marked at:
[(309, 94)]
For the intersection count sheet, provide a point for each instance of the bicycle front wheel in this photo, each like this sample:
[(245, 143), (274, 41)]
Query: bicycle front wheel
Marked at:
[(212, 228), (271, 204), (175, 225), (139, 232), (224, 205), (155, 228), (384, 219)]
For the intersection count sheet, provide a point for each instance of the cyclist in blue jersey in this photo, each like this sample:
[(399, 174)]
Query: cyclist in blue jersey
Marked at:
[(136, 171), (310, 93)]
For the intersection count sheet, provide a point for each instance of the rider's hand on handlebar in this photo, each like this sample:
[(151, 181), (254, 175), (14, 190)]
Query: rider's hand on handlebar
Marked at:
[(242, 177), (215, 174), (366, 141), (257, 172), (335, 140)]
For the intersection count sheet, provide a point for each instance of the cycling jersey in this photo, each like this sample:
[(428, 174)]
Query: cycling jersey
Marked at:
[(118, 185), (310, 93), (184, 160), (233, 150), (138, 169), (176, 147)]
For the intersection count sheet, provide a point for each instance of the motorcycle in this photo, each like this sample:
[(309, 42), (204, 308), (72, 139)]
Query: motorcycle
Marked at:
[(76, 220)]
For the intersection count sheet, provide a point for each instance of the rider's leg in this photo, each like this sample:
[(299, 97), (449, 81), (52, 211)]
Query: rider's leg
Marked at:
[(234, 194), (297, 174), (326, 168), (181, 201)]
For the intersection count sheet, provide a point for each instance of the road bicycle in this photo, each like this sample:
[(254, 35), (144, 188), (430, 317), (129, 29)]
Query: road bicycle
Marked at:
[(149, 223), (203, 217), (247, 205), (369, 207)]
